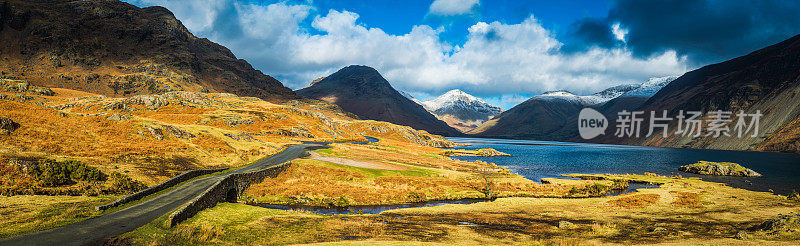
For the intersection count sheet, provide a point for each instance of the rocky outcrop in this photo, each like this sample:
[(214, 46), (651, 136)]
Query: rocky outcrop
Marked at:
[(178, 133), (118, 117), (21, 86), (781, 223), (7, 125), (486, 152), (719, 169)]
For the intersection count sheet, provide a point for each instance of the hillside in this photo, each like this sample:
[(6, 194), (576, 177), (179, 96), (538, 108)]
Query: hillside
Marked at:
[(541, 117), (554, 115), (767, 80), (153, 137), (117, 49), (361, 90), (460, 110)]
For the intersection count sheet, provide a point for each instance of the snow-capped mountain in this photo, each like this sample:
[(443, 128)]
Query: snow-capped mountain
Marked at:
[(461, 110), (553, 115), (650, 88), (646, 89)]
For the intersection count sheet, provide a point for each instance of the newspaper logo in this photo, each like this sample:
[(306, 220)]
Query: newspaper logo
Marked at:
[(591, 123)]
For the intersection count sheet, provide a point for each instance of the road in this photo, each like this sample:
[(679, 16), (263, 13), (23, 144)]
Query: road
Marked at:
[(97, 230)]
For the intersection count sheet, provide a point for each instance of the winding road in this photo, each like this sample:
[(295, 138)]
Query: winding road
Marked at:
[(99, 229)]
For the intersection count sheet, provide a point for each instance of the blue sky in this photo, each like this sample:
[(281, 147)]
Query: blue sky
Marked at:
[(503, 51)]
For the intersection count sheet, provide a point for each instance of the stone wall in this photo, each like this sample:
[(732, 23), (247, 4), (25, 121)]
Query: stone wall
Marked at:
[(226, 190), (159, 187)]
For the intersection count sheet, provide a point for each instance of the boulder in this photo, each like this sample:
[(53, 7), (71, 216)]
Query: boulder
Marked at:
[(157, 133), (178, 133), (7, 125), (719, 169), (781, 223), (118, 117), (566, 225), (22, 86)]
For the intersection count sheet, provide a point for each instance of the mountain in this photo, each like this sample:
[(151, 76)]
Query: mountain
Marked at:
[(461, 110), (554, 115), (118, 49), (767, 80), (361, 90), (541, 117)]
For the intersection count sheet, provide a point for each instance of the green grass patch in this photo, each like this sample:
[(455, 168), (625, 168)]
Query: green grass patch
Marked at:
[(27, 214)]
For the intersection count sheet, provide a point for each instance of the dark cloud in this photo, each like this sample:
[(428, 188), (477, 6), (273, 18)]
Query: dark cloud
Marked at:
[(591, 32), (704, 30)]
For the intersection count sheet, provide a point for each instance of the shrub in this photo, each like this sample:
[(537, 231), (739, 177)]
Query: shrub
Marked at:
[(121, 183), (51, 173)]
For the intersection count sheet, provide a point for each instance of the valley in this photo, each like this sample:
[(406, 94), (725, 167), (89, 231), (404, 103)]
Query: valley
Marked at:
[(252, 123)]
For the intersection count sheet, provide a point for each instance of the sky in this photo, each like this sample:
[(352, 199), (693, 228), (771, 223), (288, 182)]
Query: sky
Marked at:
[(503, 51)]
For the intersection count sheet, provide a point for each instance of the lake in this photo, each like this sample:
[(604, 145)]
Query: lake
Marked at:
[(547, 159)]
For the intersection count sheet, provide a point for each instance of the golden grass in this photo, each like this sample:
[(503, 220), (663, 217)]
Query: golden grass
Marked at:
[(636, 201), (25, 214), (688, 200), (516, 221)]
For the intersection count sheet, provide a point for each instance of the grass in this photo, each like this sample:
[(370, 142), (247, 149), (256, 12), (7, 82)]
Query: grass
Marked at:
[(25, 214), (425, 175), (650, 216)]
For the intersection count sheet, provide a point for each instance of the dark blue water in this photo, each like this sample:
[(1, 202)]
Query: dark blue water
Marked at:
[(545, 159)]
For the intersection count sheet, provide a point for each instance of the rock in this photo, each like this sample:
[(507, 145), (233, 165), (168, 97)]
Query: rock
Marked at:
[(236, 121), (241, 136), (719, 169), (178, 133), (741, 235), (147, 101), (566, 225), (118, 117), (157, 133), (22, 86), (780, 223), (7, 125)]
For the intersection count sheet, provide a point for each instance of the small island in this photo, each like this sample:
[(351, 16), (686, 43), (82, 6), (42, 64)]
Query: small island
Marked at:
[(719, 169), (486, 152)]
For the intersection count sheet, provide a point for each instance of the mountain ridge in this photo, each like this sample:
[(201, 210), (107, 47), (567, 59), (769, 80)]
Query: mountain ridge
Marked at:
[(461, 110), (362, 90), (118, 49)]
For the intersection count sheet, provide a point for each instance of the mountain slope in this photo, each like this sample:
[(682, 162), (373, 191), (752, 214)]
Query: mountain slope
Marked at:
[(116, 49), (767, 80), (361, 90), (554, 115), (541, 117), (461, 110)]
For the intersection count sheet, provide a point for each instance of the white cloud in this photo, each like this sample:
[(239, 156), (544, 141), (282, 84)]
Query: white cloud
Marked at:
[(619, 33), (497, 60), (452, 7)]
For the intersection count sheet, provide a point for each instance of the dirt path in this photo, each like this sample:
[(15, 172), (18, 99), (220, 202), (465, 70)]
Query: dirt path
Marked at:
[(357, 163), (97, 230)]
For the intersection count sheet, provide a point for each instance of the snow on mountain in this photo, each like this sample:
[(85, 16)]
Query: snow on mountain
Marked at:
[(458, 98), (651, 87), (461, 110), (646, 89)]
